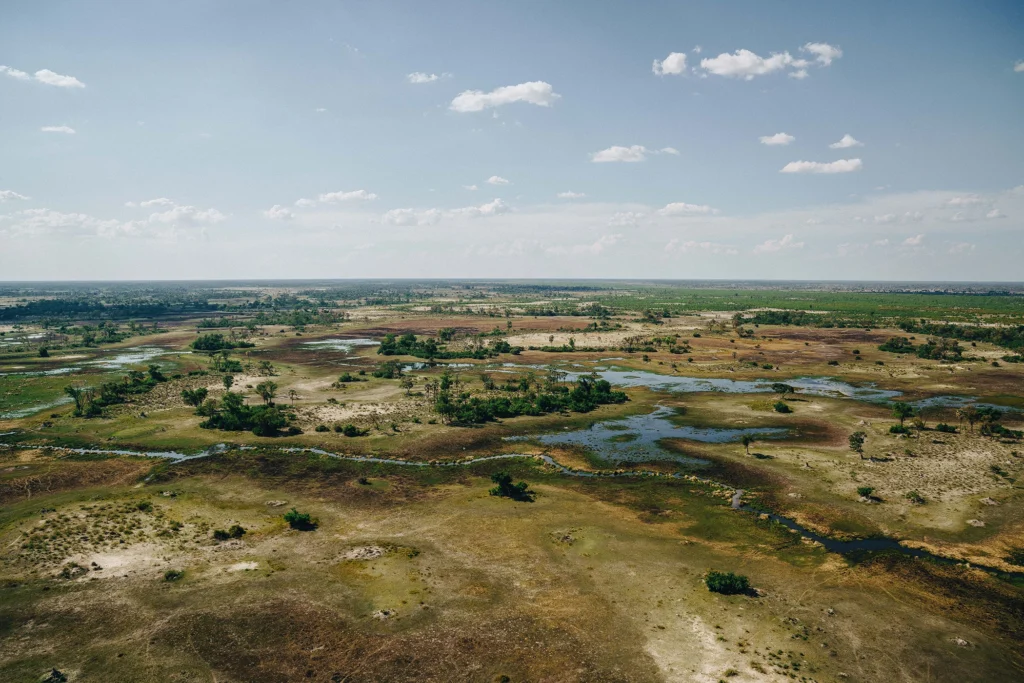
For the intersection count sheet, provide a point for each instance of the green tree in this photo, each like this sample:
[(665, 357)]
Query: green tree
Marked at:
[(506, 489), (267, 390), (228, 381), (901, 411), (746, 440), (857, 440), (194, 397)]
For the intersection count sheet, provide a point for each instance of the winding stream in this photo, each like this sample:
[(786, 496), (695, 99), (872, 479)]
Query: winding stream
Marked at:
[(852, 548)]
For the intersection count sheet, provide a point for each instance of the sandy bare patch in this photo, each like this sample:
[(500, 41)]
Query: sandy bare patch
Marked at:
[(366, 552), (244, 566)]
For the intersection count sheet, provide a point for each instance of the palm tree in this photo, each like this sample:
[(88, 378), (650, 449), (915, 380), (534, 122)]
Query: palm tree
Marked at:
[(291, 395), (267, 390)]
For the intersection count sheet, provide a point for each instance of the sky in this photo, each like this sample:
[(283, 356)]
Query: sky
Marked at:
[(256, 139)]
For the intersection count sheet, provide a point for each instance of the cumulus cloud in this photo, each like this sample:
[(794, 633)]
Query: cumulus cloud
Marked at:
[(1019, 66), (336, 197), (772, 246), (471, 188), (687, 246), (61, 81), (14, 73), (995, 213), (187, 216), (914, 241), (967, 200), (960, 247), (497, 180), (491, 208), (159, 201), (571, 195), (845, 142), (633, 153), (746, 64), (534, 92), (9, 195), (67, 130), (777, 139), (684, 209), (279, 213), (840, 166), (823, 52), (674, 64)]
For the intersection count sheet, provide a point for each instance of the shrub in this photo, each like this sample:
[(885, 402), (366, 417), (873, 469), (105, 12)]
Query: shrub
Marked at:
[(322, 428), (781, 407), (899, 429), (220, 535), (299, 520), (865, 491), (506, 489), (726, 583), (236, 531), (945, 428), (173, 574), (915, 498), (833, 362), (351, 430), (144, 506)]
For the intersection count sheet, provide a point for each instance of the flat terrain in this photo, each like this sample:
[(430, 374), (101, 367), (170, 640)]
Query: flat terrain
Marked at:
[(118, 563)]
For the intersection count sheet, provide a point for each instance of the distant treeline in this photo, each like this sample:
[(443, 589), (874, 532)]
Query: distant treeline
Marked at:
[(76, 309)]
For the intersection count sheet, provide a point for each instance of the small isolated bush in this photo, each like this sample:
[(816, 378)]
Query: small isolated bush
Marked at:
[(781, 407), (293, 431), (351, 430), (220, 535), (144, 506), (915, 498), (299, 520), (865, 491), (879, 362), (899, 429), (767, 366), (945, 428), (173, 574), (833, 362), (726, 583), (322, 428)]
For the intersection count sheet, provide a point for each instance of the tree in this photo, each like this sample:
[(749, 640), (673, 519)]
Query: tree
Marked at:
[(746, 440), (970, 413), (301, 521), (292, 394), (726, 583), (267, 390), (901, 411), (407, 383), (857, 440), (194, 397), (228, 381), (266, 368), (506, 489), (76, 395), (782, 389)]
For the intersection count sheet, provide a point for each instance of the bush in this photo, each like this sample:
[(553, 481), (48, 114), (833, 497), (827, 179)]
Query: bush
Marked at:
[(945, 428), (299, 520), (506, 489), (173, 574), (865, 491), (833, 362), (322, 428), (915, 498), (899, 429), (726, 583), (781, 407)]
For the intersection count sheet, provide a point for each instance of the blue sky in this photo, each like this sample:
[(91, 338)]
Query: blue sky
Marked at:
[(572, 139)]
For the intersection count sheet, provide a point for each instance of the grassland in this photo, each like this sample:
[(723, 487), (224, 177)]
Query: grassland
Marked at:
[(110, 569)]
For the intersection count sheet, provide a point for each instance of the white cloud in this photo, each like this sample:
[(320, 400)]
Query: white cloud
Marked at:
[(404, 217), (419, 78), (68, 130), (967, 200), (961, 247), (341, 196), (777, 139), (799, 74), (674, 64), (14, 73), (687, 246), (1019, 66), (840, 166), (534, 92), (571, 195), (159, 201), (51, 78), (745, 64), (187, 216), (633, 153), (320, 110), (886, 218), (845, 142), (305, 203), (772, 246), (914, 241), (8, 195), (881, 243), (497, 180), (995, 213), (472, 188), (491, 208), (823, 52), (279, 213), (684, 209), (697, 49)]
